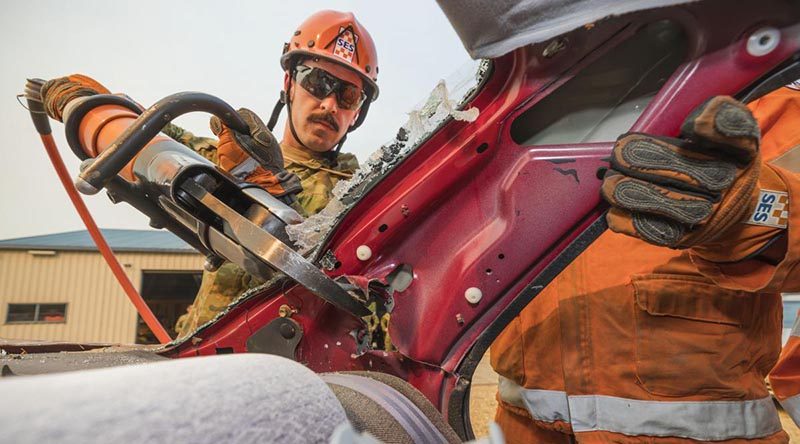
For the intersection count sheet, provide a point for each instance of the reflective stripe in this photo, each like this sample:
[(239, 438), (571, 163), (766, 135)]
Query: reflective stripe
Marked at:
[(792, 407), (547, 405), (244, 169), (699, 420), (789, 160), (510, 392), (544, 405)]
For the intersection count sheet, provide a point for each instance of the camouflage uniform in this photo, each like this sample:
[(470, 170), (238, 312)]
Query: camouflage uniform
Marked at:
[(180, 324), (318, 177)]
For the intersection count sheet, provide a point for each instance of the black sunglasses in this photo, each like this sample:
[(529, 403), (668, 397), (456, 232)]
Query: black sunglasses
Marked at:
[(321, 84)]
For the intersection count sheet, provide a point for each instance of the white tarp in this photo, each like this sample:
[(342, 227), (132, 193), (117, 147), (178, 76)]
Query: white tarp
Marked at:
[(239, 398), (491, 28)]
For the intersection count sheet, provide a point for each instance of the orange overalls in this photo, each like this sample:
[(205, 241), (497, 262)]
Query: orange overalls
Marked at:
[(785, 377), (637, 343)]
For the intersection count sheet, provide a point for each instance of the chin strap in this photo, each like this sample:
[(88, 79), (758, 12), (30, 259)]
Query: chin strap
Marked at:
[(333, 154), (276, 111)]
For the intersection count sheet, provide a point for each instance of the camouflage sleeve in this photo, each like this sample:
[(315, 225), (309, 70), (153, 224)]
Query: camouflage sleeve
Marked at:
[(205, 146), (299, 208), (217, 290)]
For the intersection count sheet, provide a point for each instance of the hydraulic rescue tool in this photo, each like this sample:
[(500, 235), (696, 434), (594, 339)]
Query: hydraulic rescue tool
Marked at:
[(180, 190)]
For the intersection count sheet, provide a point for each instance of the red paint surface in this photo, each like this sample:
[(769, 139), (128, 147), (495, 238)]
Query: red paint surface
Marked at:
[(465, 209)]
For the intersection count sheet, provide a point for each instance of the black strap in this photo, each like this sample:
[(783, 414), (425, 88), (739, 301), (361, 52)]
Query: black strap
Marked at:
[(276, 111)]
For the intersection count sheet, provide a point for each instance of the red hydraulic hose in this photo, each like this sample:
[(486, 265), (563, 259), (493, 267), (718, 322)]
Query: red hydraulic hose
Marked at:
[(141, 306)]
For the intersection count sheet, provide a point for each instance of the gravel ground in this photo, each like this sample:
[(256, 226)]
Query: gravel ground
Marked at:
[(482, 403), (790, 427)]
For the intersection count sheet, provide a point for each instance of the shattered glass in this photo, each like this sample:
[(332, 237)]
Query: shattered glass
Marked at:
[(445, 102)]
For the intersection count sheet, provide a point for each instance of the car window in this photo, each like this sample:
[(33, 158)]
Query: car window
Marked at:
[(605, 98), (790, 313)]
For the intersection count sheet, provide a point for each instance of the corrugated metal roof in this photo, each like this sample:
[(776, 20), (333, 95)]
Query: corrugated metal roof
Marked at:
[(120, 240)]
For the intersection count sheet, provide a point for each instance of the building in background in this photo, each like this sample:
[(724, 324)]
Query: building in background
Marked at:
[(57, 287)]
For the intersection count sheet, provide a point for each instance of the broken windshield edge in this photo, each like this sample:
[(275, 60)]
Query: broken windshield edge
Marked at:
[(445, 102)]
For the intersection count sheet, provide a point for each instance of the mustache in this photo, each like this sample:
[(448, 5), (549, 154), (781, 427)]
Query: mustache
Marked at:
[(325, 118)]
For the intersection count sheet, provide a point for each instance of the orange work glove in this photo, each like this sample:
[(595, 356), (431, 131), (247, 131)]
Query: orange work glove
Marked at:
[(707, 190), (254, 157), (56, 93)]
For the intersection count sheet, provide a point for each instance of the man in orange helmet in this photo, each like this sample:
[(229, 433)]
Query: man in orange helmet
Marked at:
[(331, 72), (331, 69)]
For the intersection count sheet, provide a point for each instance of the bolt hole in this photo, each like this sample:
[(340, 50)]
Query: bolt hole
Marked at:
[(383, 228), (488, 271), (764, 40), (501, 256), (483, 147), (337, 265)]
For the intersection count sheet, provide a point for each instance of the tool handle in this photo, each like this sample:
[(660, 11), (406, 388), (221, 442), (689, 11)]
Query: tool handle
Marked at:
[(111, 161)]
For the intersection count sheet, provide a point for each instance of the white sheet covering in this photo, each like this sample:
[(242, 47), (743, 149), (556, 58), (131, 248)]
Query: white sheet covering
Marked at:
[(240, 398)]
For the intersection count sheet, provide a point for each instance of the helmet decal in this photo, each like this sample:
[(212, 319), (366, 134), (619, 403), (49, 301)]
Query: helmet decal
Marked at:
[(346, 43)]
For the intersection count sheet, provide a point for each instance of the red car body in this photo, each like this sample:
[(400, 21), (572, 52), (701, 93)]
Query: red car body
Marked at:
[(470, 207)]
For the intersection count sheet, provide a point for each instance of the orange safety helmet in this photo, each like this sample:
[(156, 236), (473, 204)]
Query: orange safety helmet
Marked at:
[(337, 37)]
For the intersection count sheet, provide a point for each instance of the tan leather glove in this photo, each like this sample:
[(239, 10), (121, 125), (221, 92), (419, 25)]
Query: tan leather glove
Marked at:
[(56, 93), (255, 157), (707, 190)]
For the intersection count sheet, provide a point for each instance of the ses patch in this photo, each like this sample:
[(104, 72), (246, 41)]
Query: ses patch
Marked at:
[(772, 209), (346, 44)]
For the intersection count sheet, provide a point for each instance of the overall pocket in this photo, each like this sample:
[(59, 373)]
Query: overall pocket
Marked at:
[(692, 336)]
